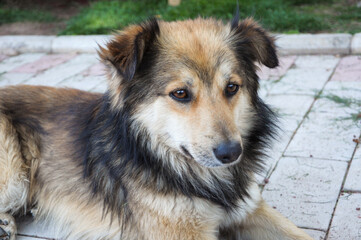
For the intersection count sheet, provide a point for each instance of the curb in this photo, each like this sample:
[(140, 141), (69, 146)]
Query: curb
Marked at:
[(299, 44)]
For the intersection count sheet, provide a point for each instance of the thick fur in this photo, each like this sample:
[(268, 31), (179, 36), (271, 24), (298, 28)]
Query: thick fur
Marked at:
[(134, 163)]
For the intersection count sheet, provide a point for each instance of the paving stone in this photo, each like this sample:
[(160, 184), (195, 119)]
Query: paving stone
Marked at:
[(346, 223), (305, 190), (318, 61), (353, 180), (2, 57), (307, 77), (356, 44), (25, 44), (328, 130), (273, 155), (23, 237), (97, 69), (16, 61), (53, 76), (349, 69), (26, 226), (81, 82), (314, 43), (315, 234), (81, 44), (285, 62), (45, 62), (101, 88), (14, 78)]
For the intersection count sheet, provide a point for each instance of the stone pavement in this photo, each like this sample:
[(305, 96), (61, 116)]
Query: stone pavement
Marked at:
[(313, 174)]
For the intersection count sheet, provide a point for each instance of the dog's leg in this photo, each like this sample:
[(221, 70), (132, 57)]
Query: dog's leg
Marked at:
[(268, 224), (14, 184)]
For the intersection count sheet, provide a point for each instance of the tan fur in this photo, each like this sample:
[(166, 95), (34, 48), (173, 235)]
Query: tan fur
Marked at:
[(40, 165)]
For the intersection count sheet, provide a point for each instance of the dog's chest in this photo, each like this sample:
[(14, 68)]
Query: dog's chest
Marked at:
[(183, 209)]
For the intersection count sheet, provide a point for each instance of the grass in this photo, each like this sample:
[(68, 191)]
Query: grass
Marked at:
[(277, 15), (9, 15), (286, 16)]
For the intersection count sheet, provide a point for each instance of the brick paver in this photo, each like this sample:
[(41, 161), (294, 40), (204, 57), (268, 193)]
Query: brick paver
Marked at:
[(331, 123), (353, 180), (53, 76), (349, 69), (45, 62), (13, 62), (319, 102), (2, 57), (306, 190), (316, 234), (285, 63), (346, 223)]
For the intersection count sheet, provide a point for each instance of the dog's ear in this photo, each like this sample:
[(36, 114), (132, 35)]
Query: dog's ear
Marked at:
[(126, 50), (253, 41)]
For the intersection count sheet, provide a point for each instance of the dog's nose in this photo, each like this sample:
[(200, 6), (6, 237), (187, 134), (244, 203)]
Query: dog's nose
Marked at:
[(228, 152)]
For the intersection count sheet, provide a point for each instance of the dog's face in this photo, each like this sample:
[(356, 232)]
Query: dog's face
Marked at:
[(190, 84)]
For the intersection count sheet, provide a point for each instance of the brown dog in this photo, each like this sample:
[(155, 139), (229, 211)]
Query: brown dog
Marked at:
[(168, 152)]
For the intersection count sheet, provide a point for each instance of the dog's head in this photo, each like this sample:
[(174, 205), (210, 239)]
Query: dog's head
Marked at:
[(190, 84)]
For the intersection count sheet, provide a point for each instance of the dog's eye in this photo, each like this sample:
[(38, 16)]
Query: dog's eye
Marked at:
[(181, 95), (231, 89)]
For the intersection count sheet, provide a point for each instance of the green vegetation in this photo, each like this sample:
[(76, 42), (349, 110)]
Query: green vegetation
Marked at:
[(9, 15), (104, 16)]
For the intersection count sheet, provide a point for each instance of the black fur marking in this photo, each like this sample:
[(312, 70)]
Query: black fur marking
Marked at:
[(254, 44), (235, 19), (114, 156)]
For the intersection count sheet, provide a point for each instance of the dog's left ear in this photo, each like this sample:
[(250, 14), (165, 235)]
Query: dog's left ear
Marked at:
[(253, 42), (125, 52)]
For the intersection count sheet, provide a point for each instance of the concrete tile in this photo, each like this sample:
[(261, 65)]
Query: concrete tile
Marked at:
[(97, 69), (24, 237), (55, 75), (305, 190), (81, 44), (356, 44), (349, 69), (16, 61), (304, 81), (317, 61), (45, 62), (314, 43), (290, 104), (101, 88), (22, 44), (80, 82), (328, 130), (353, 180), (2, 57), (315, 234), (14, 78), (26, 226), (346, 223), (285, 62), (349, 90), (273, 155)]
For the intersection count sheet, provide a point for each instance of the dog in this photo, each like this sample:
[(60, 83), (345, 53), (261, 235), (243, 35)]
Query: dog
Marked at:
[(168, 152)]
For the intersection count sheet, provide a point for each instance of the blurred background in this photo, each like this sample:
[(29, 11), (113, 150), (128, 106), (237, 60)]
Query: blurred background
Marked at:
[(75, 17)]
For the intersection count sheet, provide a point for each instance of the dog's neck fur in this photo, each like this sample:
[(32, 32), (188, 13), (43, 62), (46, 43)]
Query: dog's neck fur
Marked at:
[(108, 136)]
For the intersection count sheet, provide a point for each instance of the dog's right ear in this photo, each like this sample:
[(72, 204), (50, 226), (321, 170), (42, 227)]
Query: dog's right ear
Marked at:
[(124, 53)]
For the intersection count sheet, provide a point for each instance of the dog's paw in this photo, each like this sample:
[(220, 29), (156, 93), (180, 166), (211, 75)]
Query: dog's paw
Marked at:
[(7, 227)]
